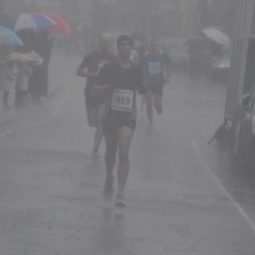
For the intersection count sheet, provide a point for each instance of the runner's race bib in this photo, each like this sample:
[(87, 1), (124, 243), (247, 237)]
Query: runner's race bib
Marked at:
[(155, 68), (122, 100)]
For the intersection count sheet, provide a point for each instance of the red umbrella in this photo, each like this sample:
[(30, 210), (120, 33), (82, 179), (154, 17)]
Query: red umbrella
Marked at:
[(60, 28)]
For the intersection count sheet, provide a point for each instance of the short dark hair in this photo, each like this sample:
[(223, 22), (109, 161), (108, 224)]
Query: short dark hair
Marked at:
[(122, 38)]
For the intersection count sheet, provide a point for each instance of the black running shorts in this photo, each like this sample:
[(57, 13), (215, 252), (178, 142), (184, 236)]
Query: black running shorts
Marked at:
[(156, 89), (115, 121), (93, 101)]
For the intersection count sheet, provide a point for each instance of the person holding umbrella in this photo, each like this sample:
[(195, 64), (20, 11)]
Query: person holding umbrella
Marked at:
[(8, 39), (25, 24), (23, 74), (7, 81), (43, 45), (39, 82)]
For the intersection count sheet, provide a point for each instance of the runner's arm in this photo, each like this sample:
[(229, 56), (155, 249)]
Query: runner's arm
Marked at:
[(102, 82), (82, 69), (84, 73), (140, 81), (168, 68)]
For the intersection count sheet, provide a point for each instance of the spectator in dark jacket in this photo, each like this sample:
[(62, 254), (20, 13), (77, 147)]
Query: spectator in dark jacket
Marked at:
[(39, 81)]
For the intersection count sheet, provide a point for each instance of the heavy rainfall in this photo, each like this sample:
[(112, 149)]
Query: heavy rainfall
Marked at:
[(127, 127)]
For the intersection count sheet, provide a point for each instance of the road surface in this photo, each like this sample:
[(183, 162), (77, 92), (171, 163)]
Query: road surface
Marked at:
[(179, 197)]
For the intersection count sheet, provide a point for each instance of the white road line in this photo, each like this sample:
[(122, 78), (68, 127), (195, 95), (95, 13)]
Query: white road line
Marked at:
[(223, 189)]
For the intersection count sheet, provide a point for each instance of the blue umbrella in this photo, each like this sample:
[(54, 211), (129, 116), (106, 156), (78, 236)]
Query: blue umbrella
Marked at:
[(29, 20), (7, 37)]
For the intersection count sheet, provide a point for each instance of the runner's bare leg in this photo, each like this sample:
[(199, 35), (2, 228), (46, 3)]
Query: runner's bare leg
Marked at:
[(125, 137), (143, 102), (158, 104), (110, 155), (99, 126), (149, 107), (91, 117)]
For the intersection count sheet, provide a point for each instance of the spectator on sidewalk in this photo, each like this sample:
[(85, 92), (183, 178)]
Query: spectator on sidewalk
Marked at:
[(24, 72), (27, 36), (38, 85), (7, 81)]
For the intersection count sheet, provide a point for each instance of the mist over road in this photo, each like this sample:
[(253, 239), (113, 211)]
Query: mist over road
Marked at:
[(180, 198)]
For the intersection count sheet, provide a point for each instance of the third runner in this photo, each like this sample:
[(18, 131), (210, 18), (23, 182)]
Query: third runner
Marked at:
[(154, 63)]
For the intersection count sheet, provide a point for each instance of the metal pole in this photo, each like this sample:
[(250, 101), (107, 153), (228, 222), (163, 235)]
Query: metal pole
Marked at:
[(2, 11)]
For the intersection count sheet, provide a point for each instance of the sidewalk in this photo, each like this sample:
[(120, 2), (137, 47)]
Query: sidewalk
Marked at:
[(14, 114)]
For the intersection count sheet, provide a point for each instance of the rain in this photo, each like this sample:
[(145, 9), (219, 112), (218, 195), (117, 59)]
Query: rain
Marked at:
[(127, 127)]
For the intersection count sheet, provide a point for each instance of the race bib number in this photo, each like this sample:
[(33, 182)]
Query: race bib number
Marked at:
[(155, 68), (122, 100)]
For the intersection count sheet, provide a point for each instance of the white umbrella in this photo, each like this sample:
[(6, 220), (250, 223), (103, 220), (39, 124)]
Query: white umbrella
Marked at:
[(217, 36)]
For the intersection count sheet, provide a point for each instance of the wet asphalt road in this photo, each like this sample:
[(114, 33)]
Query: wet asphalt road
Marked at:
[(180, 198)]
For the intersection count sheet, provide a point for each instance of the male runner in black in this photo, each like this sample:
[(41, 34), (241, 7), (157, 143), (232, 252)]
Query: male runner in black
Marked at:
[(122, 79), (95, 104)]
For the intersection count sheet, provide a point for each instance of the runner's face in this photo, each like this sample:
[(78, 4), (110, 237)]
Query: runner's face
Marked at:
[(105, 43), (154, 46), (125, 49)]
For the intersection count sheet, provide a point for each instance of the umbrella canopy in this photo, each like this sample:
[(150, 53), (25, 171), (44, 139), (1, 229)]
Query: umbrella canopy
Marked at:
[(7, 37), (61, 25), (29, 20), (32, 58), (217, 36)]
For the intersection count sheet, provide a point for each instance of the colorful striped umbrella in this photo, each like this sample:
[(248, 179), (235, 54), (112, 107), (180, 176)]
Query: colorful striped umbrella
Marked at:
[(29, 20)]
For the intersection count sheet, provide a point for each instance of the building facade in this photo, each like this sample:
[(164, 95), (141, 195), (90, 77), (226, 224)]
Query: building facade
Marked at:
[(74, 11), (242, 75), (159, 18)]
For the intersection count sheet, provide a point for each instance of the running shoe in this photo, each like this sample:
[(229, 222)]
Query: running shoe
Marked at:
[(108, 187), (120, 202)]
